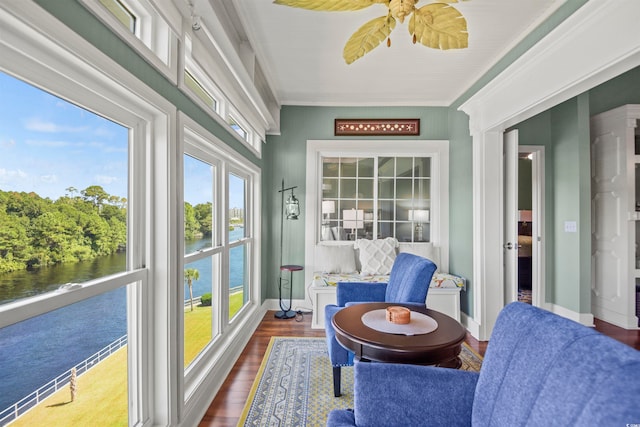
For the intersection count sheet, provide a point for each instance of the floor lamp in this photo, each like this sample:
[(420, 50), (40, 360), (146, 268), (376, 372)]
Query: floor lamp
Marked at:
[(290, 209)]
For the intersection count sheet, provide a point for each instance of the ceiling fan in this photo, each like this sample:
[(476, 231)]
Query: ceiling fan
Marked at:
[(436, 25)]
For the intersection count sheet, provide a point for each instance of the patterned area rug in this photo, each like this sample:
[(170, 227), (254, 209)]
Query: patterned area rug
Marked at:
[(294, 385)]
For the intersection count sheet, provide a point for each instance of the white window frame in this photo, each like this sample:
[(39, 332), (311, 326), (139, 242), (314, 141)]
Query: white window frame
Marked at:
[(437, 150), (193, 138), (40, 50), (155, 37), (225, 108)]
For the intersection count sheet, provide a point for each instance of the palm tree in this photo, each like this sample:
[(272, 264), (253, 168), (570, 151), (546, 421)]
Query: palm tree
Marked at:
[(191, 274)]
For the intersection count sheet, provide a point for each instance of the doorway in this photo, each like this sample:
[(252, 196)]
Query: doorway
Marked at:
[(523, 222)]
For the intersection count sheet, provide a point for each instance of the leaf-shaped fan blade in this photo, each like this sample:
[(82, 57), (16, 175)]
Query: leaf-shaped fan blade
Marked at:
[(368, 37), (439, 26), (329, 5)]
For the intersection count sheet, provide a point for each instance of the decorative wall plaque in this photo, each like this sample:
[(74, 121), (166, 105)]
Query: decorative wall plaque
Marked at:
[(377, 127)]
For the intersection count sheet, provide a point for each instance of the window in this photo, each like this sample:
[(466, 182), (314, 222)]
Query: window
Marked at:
[(121, 13), (101, 130), (64, 213), (238, 129), (376, 189), (141, 24), (376, 197), (201, 273), (199, 83), (240, 246), (199, 91), (219, 246), (146, 289)]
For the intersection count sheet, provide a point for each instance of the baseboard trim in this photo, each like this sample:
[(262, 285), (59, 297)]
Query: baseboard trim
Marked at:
[(296, 304), (583, 318), (472, 326)]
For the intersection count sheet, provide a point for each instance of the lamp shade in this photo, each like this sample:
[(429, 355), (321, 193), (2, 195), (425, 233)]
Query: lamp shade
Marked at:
[(419, 215), (353, 218), (328, 207)]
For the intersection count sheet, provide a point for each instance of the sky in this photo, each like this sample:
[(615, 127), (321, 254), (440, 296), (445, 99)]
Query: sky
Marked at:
[(48, 145)]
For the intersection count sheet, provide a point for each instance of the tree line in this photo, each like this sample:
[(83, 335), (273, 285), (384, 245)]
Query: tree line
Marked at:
[(79, 226), (82, 225)]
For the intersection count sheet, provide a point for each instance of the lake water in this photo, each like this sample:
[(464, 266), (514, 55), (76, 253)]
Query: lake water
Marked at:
[(37, 350)]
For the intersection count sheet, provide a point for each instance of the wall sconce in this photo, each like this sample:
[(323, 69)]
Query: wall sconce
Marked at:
[(419, 216)]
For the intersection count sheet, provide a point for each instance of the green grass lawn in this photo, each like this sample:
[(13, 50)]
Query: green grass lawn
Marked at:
[(101, 397)]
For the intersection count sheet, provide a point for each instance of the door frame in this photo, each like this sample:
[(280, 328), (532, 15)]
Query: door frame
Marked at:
[(538, 240), (581, 60)]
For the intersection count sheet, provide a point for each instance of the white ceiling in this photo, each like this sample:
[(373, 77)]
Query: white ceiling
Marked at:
[(300, 53)]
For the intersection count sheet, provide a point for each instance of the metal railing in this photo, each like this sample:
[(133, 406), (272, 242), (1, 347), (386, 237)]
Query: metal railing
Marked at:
[(25, 404)]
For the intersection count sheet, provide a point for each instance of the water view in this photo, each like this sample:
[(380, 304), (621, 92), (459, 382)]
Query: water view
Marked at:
[(44, 347)]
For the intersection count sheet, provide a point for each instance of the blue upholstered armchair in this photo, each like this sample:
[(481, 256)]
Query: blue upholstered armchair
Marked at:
[(408, 283), (540, 369)]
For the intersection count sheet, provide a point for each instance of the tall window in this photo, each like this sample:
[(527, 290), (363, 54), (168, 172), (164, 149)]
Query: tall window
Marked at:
[(240, 250), (63, 227), (219, 242), (376, 197), (201, 272)]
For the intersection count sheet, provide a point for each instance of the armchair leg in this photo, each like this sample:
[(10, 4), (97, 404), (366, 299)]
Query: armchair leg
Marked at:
[(336, 381)]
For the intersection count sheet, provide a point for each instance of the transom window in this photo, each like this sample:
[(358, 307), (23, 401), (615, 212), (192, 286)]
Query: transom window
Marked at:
[(204, 95), (122, 13)]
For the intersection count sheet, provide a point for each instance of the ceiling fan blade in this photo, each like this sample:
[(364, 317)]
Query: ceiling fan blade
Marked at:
[(439, 26), (368, 37)]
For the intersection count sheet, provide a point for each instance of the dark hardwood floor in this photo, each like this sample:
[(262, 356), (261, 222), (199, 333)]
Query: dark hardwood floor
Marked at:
[(226, 408)]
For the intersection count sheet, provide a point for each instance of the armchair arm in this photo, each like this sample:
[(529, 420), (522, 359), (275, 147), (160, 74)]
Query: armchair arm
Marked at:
[(418, 395), (359, 292)]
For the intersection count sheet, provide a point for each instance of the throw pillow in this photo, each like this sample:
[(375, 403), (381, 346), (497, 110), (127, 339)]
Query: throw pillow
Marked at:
[(425, 250), (336, 259), (377, 256)]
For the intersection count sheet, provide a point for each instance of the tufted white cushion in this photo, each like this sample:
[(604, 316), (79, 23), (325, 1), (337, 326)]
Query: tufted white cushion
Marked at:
[(336, 259), (377, 256), (425, 250)]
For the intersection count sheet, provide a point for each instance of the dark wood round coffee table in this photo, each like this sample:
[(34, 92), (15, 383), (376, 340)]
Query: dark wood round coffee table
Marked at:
[(440, 347)]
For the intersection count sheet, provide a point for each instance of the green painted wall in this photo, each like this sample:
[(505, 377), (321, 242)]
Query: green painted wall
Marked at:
[(524, 185), (571, 203), (461, 204), (564, 131), (285, 158), (624, 89)]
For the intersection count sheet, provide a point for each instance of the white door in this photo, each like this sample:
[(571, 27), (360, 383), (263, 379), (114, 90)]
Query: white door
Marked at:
[(612, 204), (510, 216)]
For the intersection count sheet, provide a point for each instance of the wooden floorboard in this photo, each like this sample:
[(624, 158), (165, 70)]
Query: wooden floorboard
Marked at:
[(226, 408)]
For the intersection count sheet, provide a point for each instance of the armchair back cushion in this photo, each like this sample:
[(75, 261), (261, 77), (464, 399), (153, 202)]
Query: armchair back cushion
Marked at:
[(410, 278), (542, 369)]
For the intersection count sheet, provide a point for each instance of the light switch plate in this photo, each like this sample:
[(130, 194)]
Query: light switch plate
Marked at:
[(570, 227)]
